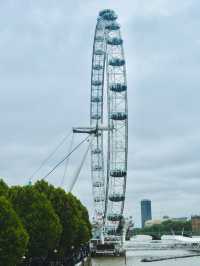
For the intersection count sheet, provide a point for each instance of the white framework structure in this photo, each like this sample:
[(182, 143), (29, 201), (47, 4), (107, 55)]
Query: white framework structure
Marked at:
[(108, 175)]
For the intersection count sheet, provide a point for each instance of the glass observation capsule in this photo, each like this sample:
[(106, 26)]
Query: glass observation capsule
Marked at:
[(99, 38), (108, 14), (97, 67), (116, 62), (113, 26), (115, 41), (99, 52), (96, 82), (114, 217), (96, 116), (116, 197), (98, 199), (96, 151), (118, 116), (98, 184), (118, 87), (96, 99), (118, 173)]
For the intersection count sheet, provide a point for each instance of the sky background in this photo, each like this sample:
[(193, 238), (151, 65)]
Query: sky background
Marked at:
[(45, 63)]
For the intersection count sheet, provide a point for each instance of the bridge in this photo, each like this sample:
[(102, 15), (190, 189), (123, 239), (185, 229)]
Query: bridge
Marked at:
[(158, 235)]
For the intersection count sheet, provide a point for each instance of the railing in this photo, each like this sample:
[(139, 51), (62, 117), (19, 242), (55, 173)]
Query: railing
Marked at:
[(72, 259)]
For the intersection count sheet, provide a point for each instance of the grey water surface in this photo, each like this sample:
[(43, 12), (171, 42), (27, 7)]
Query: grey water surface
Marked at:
[(134, 259)]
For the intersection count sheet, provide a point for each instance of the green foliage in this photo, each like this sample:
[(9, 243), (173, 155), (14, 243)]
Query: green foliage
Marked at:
[(83, 233), (73, 216), (39, 219), (13, 237), (59, 201), (3, 188), (42, 218), (167, 227), (83, 230)]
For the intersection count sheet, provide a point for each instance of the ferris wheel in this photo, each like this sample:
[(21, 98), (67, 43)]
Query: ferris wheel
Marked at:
[(108, 104), (108, 131)]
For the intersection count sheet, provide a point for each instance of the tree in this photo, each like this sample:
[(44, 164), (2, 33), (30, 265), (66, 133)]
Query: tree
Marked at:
[(3, 188), (168, 227), (83, 233), (65, 212), (39, 219), (73, 216), (13, 236)]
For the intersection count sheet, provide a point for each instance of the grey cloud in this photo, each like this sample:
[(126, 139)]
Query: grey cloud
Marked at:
[(45, 55)]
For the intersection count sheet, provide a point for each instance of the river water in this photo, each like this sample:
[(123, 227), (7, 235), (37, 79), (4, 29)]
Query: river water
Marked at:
[(134, 259)]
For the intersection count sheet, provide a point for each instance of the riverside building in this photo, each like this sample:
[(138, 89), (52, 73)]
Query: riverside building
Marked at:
[(195, 224)]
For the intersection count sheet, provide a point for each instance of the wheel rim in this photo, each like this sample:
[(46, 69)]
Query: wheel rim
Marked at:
[(108, 68)]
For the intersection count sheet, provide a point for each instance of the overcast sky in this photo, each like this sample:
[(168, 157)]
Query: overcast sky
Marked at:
[(45, 61)]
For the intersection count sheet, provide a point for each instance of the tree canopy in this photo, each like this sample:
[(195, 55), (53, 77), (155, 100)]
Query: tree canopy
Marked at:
[(39, 219), (13, 236), (36, 220), (73, 216), (167, 227), (3, 188)]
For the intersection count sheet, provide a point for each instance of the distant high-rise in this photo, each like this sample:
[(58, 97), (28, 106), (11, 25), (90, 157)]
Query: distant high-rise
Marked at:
[(145, 211)]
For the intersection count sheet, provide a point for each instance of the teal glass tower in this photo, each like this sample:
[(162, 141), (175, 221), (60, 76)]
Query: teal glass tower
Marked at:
[(145, 211)]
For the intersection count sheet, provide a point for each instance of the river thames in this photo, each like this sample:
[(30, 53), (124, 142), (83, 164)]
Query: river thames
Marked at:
[(134, 259)]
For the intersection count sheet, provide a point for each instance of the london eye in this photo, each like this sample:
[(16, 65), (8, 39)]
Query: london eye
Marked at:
[(108, 130), (108, 104)]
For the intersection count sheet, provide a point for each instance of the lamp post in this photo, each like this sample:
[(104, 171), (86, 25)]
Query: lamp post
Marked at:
[(55, 254)]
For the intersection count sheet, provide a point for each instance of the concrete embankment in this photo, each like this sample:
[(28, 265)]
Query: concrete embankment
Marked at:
[(85, 262), (152, 259)]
